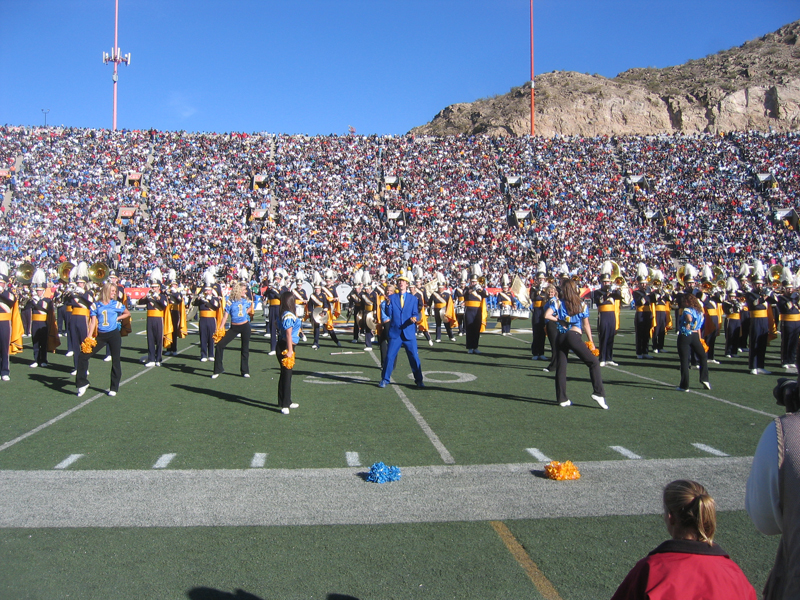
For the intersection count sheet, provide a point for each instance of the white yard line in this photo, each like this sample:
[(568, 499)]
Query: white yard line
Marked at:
[(537, 454), (352, 459), (709, 449), (164, 460), (259, 460), (625, 452), (68, 461)]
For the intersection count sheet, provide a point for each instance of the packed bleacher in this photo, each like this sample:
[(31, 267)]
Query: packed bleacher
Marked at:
[(326, 202)]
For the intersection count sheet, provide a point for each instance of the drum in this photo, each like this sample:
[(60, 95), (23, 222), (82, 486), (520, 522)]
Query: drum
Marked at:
[(494, 312), (505, 311), (460, 308), (521, 314), (300, 311)]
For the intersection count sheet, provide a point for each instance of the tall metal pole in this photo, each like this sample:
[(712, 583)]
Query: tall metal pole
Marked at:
[(533, 93), (116, 58), (45, 111)]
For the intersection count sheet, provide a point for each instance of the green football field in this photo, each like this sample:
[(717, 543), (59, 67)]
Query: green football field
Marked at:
[(186, 487)]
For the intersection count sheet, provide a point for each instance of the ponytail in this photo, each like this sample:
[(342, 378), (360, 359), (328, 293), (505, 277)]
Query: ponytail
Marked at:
[(693, 509)]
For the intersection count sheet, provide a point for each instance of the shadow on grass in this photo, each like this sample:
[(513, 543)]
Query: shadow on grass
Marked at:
[(228, 397), (55, 382), (205, 593)]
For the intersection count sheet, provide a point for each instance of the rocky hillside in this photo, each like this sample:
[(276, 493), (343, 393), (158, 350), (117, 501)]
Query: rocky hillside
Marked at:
[(754, 86)]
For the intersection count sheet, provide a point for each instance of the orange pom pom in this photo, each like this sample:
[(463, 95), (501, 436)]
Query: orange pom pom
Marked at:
[(88, 345), (218, 335), (592, 349), (562, 471), (288, 362)]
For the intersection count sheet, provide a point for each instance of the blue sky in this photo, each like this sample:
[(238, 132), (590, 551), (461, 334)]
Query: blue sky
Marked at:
[(319, 66)]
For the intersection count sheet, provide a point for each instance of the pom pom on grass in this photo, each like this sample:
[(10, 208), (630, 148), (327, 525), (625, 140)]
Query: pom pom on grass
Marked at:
[(562, 471), (380, 473)]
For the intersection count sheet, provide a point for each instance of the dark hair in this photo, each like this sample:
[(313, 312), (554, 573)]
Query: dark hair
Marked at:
[(691, 301), (287, 302), (570, 297), (692, 508)]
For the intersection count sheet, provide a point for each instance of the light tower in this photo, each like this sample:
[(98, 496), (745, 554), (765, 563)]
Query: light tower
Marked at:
[(116, 58)]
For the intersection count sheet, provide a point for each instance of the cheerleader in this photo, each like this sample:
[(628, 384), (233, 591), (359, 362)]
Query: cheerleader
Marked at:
[(288, 338), (241, 309)]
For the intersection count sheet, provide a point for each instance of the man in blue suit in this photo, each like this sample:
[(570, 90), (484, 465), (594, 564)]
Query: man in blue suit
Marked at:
[(402, 311)]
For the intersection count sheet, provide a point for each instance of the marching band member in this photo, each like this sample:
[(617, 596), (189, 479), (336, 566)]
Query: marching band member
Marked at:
[(712, 307), (356, 303), (300, 301), (106, 316), (370, 300), (732, 306), (551, 327), (538, 323), (643, 320), (156, 303), (402, 313), (81, 301), (690, 323), (10, 324), (319, 302), (272, 296), (422, 324), (761, 322), (44, 331), (745, 286), (177, 307), (459, 294), (241, 309), (789, 309), (333, 304), (607, 302), (572, 318), (474, 312), (441, 299), (25, 310), (660, 301), (505, 300), (208, 304)]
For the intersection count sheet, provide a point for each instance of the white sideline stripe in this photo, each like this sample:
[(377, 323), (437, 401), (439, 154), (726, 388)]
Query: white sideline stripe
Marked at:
[(625, 452), (259, 460), (163, 461), (68, 461), (537, 454), (710, 397), (447, 458), (709, 449), (352, 459), (79, 406)]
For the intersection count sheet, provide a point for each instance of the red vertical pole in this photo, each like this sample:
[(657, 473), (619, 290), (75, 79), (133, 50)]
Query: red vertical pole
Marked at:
[(533, 128)]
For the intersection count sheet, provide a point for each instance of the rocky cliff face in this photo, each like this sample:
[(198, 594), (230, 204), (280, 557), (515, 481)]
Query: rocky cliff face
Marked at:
[(754, 86)]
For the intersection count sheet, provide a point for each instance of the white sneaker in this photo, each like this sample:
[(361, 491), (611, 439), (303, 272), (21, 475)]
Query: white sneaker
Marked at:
[(602, 363), (655, 351), (272, 353), (612, 363), (706, 385), (158, 364), (754, 372), (285, 411), (452, 339), (215, 375), (680, 389), (70, 353), (713, 362), (565, 403), (82, 390), (294, 405), (303, 338), (438, 341), (313, 347), (764, 372), (204, 359), (430, 342), (246, 375), (6, 378), (150, 364), (34, 365), (75, 372), (112, 393), (368, 350), (546, 370), (108, 358), (601, 401)]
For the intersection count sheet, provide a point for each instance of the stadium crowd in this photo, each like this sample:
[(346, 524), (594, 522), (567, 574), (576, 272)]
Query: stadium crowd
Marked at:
[(576, 206)]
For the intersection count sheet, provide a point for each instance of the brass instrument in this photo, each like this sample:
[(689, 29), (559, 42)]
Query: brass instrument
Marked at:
[(64, 270), (24, 273), (681, 273), (98, 272), (319, 315), (668, 287)]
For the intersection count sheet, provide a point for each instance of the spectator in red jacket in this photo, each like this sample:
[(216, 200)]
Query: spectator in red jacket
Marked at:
[(690, 565)]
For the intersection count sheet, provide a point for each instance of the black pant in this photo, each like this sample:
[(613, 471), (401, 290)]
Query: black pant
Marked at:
[(539, 327), (551, 328), (155, 339), (208, 325), (759, 339), (711, 338), (114, 341), (39, 335), (78, 330), (285, 380), (61, 318), (572, 340), (606, 331), (687, 343), (5, 341), (438, 320), (733, 330), (643, 321), (244, 363), (472, 326)]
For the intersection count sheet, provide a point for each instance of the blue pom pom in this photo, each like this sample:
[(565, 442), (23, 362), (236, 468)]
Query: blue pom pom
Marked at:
[(380, 473)]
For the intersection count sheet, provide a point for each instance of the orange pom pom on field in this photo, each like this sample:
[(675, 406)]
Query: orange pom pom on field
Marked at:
[(562, 471)]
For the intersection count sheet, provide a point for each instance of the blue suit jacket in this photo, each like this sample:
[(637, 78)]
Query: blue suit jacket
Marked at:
[(401, 325)]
